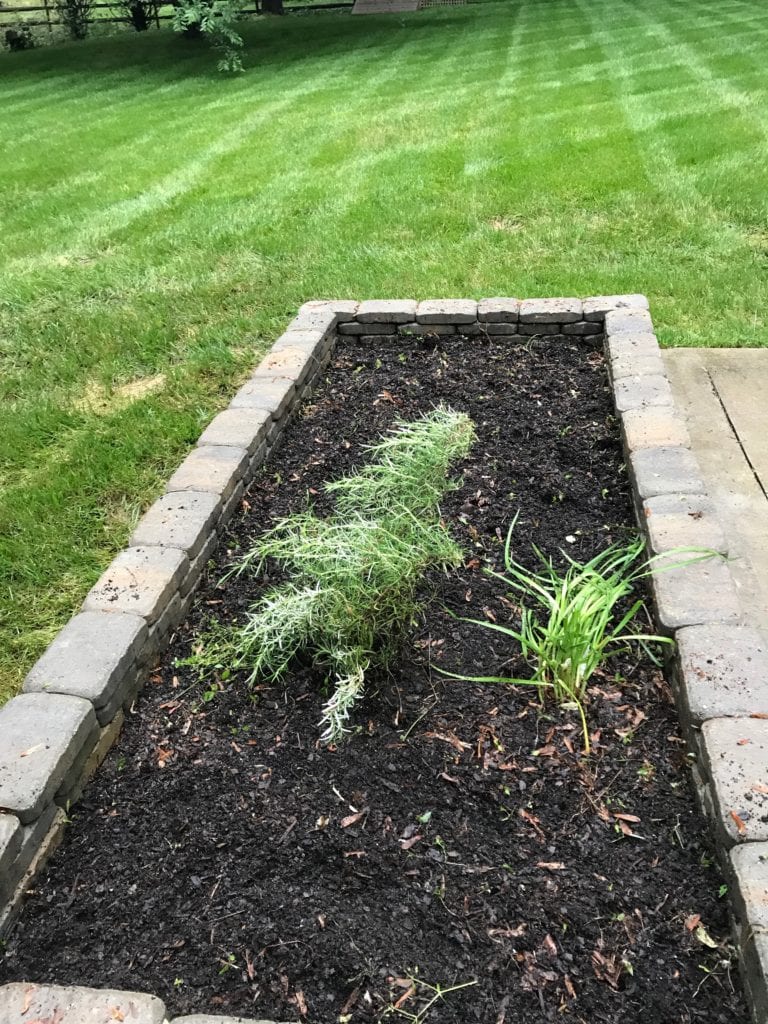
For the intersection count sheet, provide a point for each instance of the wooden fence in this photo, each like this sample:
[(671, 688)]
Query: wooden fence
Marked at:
[(50, 10)]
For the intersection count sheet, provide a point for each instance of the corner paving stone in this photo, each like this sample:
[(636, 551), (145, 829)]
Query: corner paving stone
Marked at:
[(690, 595), (499, 311), (140, 581), (596, 307), (618, 321), (723, 671), (665, 470), (92, 657), (41, 737), (240, 428), (735, 759), (213, 468), (387, 311), (550, 311), (21, 1002), (446, 311), (654, 426), (683, 521)]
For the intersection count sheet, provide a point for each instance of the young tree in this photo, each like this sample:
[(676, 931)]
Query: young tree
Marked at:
[(76, 15), (216, 20)]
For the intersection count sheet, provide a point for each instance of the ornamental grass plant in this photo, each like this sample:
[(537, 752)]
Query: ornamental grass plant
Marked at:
[(351, 577), (570, 621)]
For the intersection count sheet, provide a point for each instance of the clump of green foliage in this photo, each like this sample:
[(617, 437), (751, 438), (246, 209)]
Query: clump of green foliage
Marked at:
[(217, 21), (76, 16), (353, 575), (570, 623)]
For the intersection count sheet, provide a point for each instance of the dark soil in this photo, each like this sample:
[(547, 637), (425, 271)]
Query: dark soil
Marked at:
[(225, 862)]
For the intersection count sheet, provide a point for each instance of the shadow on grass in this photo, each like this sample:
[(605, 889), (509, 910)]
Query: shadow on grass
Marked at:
[(270, 43)]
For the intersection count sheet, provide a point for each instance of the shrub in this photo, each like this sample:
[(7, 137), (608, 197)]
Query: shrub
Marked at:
[(353, 576), (76, 15), (138, 13), (19, 38)]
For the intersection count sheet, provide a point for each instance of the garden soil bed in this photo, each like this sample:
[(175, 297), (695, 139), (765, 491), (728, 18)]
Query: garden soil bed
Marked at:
[(223, 861)]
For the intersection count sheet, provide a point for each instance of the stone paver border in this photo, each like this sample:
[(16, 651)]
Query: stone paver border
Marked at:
[(55, 733)]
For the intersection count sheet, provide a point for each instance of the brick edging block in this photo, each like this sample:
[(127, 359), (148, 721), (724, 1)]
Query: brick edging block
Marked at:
[(720, 666)]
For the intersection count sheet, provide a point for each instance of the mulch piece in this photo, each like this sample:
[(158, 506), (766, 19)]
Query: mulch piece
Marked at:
[(224, 861)]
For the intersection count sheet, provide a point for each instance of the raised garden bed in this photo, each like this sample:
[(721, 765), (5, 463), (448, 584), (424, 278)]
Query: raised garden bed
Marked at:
[(224, 861)]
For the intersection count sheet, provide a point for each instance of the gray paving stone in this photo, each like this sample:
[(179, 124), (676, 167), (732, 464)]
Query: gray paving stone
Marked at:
[(240, 428), (11, 832), (723, 670), (654, 427), (754, 958), (342, 310), (618, 321), (551, 311), (378, 339), (92, 657), (635, 364), (446, 311), (276, 396), (499, 311), (425, 330), (641, 391), (181, 519), (198, 564), (582, 329), (750, 868), (355, 328), (538, 329), (23, 1002), (665, 471), (735, 763), (693, 594), (88, 762), (387, 311), (495, 330), (202, 1018), (216, 469), (597, 306), (315, 316), (683, 521), (39, 839), (632, 343), (139, 581), (41, 736), (309, 342), (294, 363)]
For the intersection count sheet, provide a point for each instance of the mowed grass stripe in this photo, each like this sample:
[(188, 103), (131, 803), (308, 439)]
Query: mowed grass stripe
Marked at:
[(162, 223)]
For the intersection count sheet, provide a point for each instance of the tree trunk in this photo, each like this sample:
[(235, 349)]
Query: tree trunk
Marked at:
[(272, 6)]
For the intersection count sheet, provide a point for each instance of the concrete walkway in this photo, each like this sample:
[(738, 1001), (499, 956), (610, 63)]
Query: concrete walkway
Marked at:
[(723, 394)]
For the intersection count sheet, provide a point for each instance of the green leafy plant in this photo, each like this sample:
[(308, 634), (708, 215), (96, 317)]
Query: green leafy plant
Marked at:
[(216, 20), (352, 576), (569, 624), (76, 16)]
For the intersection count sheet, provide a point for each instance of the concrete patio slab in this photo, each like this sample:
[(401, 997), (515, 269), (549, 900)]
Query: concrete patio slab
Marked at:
[(723, 394)]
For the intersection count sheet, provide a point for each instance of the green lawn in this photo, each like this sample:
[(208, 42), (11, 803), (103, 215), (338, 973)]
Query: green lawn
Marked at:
[(159, 223)]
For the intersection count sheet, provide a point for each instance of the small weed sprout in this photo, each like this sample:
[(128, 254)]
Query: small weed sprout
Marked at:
[(568, 627), (352, 575)]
